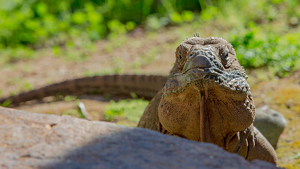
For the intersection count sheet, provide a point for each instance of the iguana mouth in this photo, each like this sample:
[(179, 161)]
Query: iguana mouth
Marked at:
[(204, 67)]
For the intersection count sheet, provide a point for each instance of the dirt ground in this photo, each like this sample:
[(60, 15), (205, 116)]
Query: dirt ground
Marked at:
[(132, 55)]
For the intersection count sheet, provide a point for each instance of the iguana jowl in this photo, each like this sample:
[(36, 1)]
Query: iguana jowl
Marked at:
[(207, 99)]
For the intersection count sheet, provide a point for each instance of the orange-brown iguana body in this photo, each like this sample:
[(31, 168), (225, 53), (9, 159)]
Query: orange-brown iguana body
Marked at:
[(207, 99)]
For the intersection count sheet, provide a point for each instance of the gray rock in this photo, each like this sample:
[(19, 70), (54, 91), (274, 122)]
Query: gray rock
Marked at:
[(30, 140), (270, 123)]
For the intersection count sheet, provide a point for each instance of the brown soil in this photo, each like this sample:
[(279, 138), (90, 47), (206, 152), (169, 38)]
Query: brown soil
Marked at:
[(282, 95)]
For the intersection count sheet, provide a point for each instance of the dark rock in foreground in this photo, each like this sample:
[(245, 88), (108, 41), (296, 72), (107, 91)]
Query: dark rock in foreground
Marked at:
[(29, 140)]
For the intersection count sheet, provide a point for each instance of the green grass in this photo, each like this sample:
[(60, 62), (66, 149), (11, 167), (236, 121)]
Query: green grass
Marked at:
[(125, 112), (73, 112), (70, 98), (20, 84)]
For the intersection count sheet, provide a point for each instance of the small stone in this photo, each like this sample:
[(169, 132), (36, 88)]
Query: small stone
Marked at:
[(270, 123)]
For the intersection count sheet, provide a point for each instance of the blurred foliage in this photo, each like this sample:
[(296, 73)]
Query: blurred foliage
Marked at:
[(263, 32), (33, 22), (266, 34), (73, 24), (279, 53)]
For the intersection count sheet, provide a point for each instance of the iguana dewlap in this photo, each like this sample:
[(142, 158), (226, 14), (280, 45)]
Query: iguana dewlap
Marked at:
[(207, 99)]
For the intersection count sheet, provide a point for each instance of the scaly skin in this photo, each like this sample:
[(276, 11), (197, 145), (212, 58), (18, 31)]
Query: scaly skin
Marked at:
[(142, 85), (207, 99)]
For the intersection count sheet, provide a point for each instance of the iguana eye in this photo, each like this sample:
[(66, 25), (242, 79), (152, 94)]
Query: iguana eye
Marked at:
[(180, 57)]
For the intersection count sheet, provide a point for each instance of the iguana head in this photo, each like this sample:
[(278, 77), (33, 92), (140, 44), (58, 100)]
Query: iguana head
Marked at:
[(210, 62), (206, 69)]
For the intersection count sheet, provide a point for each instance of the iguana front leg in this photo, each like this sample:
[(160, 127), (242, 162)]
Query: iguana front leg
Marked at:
[(260, 148), (250, 144), (150, 119)]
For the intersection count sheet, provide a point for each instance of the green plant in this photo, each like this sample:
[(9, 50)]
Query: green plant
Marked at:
[(6, 103), (297, 156), (125, 110), (70, 98), (278, 52)]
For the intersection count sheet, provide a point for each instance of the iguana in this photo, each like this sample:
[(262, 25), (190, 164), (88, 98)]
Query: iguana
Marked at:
[(205, 98)]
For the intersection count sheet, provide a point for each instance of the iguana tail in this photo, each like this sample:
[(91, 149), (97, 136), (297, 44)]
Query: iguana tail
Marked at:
[(142, 85)]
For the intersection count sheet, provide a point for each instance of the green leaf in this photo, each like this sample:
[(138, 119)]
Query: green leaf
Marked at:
[(297, 156), (56, 50), (95, 18), (31, 24), (130, 25), (187, 16), (6, 103), (70, 98), (78, 17), (176, 17), (116, 26), (153, 23), (41, 9), (209, 13), (133, 95)]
